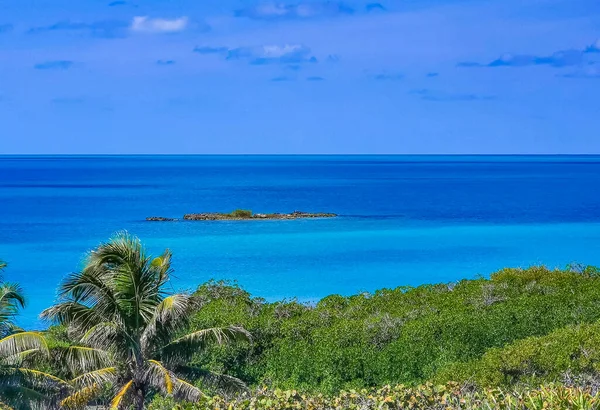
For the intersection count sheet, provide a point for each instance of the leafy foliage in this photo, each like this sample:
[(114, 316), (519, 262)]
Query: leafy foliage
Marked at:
[(574, 349), (403, 335), (241, 213), (21, 386), (425, 397), (128, 331)]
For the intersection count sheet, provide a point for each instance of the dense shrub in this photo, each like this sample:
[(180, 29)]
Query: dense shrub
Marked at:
[(402, 335), (426, 397), (241, 213), (575, 349)]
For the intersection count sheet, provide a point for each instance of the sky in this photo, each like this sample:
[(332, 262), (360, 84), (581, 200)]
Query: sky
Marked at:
[(294, 77)]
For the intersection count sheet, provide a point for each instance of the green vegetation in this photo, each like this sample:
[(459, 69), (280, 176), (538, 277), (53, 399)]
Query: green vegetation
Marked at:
[(20, 384), (403, 335), (574, 349), (241, 213), (523, 339), (424, 397), (129, 332)]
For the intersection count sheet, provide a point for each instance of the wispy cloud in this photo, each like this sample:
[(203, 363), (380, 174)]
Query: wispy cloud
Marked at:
[(562, 58), (594, 47), (105, 28), (432, 74), (591, 71), (210, 50), (54, 65), (5, 28), (165, 62), (273, 54), (145, 24), (281, 78), (432, 95), (333, 58), (305, 10), (315, 78), (117, 3), (375, 7), (385, 76)]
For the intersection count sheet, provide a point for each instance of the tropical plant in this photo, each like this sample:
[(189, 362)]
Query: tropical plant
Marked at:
[(20, 385), (129, 330), (450, 396), (404, 335)]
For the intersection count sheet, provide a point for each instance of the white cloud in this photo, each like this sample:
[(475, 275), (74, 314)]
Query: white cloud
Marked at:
[(158, 25), (280, 51)]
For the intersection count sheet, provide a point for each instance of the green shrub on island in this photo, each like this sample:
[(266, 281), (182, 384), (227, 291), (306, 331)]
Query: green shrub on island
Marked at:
[(241, 213), (402, 335)]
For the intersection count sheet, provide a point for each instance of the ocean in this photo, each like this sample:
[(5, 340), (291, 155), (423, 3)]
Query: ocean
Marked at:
[(404, 220)]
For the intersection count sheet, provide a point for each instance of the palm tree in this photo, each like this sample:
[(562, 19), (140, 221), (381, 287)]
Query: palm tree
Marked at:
[(130, 330), (20, 385)]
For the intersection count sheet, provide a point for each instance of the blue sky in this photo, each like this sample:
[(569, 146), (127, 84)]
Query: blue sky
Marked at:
[(246, 76)]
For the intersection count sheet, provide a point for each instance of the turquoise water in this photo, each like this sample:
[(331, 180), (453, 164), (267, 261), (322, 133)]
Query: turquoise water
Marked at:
[(404, 220)]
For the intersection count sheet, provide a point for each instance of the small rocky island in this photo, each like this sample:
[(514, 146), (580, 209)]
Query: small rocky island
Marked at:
[(243, 215)]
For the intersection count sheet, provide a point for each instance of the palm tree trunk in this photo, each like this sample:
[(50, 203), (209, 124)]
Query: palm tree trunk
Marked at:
[(138, 401)]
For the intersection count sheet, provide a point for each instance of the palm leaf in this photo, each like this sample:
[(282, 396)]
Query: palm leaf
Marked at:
[(184, 347), (118, 399), (99, 376), (83, 359), (81, 397), (170, 315), (19, 342), (186, 391), (223, 382), (39, 378), (160, 377), (18, 358)]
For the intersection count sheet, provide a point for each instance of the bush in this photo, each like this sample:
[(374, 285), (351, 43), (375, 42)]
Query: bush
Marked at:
[(403, 335), (424, 397), (574, 349), (241, 213)]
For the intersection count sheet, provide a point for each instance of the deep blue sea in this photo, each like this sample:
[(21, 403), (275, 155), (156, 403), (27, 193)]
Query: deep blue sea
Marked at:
[(405, 220)]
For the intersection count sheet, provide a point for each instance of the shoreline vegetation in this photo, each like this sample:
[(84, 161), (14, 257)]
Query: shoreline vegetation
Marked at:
[(118, 339), (244, 215)]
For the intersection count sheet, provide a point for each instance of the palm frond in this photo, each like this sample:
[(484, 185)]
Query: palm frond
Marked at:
[(74, 314), (80, 359), (20, 397), (81, 397), (18, 358), (136, 282), (170, 315), (187, 391), (90, 287), (39, 378), (222, 382), (12, 293), (159, 377), (106, 336), (118, 399), (11, 300), (19, 342), (184, 347), (99, 376)]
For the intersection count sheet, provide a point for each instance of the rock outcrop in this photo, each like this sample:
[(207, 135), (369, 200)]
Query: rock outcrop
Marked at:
[(243, 215)]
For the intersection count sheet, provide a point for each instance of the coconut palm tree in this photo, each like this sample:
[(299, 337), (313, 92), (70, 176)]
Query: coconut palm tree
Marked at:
[(130, 330), (21, 386)]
